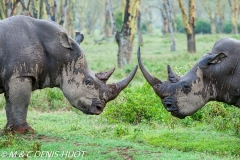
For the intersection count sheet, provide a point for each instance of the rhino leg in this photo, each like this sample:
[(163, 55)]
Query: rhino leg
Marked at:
[(17, 99), (10, 120)]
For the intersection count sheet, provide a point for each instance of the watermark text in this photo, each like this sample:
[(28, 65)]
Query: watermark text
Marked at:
[(42, 154)]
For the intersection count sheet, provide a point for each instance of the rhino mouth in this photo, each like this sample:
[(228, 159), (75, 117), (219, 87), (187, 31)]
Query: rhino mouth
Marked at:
[(170, 105), (97, 107), (177, 114)]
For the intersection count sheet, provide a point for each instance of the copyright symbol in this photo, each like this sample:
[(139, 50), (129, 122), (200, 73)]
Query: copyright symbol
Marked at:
[(4, 154)]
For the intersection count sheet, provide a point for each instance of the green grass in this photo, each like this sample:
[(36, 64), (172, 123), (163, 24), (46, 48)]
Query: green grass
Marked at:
[(135, 125), (93, 135)]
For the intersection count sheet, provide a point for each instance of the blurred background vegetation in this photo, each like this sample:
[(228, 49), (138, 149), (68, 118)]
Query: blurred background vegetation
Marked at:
[(214, 19), (137, 114), (90, 16)]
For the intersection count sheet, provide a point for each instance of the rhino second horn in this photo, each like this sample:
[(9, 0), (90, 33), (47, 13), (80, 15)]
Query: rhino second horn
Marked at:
[(116, 88), (151, 80), (104, 76), (172, 77)]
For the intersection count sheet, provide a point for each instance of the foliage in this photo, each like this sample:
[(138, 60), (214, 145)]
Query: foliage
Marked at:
[(144, 28), (227, 27), (179, 24), (118, 20), (138, 104), (202, 26), (101, 140)]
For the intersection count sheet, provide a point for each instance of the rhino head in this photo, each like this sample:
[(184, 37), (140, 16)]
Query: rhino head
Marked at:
[(183, 96), (84, 89)]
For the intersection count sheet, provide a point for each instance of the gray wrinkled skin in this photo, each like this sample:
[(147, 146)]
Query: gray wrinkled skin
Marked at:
[(36, 54), (214, 77)]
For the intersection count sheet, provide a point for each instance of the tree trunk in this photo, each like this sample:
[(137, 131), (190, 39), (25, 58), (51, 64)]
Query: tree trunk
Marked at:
[(107, 20), (169, 17), (82, 11), (114, 28), (149, 21), (221, 13), (164, 18), (40, 13), (124, 48), (51, 16), (2, 9), (126, 36), (189, 24), (63, 12), (9, 8), (191, 43), (213, 26), (71, 18), (34, 8), (165, 25), (192, 18), (235, 9), (139, 26)]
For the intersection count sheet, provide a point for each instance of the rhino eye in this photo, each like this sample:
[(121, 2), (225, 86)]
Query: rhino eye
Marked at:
[(186, 87), (88, 82)]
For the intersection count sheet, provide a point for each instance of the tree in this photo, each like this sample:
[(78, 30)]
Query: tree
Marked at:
[(7, 8), (125, 37), (139, 27), (189, 24), (235, 10), (107, 21), (70, 14), (81, 11), (221, 16), (213, 10), (164, 14), (51, 11), (167, 7)]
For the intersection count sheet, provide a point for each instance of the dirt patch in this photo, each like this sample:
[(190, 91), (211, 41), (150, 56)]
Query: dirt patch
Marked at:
[(124, 152), (42, 138), (86, 144)]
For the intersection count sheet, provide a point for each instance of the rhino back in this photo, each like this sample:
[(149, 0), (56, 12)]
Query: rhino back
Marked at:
[(227, 72), (30, 47)]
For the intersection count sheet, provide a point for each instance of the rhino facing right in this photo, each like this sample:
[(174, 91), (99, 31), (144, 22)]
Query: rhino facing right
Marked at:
[(215, 77), (37, 54)]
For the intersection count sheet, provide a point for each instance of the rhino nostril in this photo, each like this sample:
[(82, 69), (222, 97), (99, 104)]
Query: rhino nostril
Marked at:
[(169, 105), (99, 107)]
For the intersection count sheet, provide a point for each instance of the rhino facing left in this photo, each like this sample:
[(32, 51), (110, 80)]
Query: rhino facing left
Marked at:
[(35, 54)]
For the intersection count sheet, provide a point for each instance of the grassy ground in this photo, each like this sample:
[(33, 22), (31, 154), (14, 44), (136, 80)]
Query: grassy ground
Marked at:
[(64, 133), (68, 131)]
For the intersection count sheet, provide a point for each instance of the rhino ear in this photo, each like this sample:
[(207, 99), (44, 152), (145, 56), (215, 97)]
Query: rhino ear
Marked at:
[(65, 40), (217, 58), (211, 59), (172, 77), (79, 37)]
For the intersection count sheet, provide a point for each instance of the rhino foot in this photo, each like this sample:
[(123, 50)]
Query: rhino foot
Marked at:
[(22, 128)]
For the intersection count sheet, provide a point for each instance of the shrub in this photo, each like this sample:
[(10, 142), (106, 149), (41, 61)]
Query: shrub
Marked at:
[(227, 27), (179, 24), (138, 104), (118, 20), (202, 26)]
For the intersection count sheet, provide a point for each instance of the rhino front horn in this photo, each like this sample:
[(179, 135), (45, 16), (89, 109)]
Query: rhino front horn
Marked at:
[(151, 80), (116, 88)]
